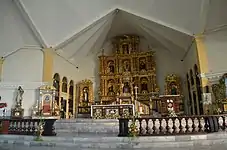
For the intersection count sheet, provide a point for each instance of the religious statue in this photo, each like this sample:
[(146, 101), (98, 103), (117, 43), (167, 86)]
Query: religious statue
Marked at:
[(85, 94), (225, 86), (111, 67), (125, 49), (19, 97), (111, 90), (142, 65), (126, 88), (173, 89), (126, 66)]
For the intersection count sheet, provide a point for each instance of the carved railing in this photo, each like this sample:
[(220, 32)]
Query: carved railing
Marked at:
[(174, 125), (27, 126), (112, 111)]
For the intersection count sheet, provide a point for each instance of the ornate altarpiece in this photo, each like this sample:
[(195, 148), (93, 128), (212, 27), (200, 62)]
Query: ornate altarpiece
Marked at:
[(46, 105), (220, 94), (86, 97), (129, 74)]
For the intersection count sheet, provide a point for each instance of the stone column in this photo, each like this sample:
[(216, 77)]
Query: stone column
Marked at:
[(1, 67), (48, 59)]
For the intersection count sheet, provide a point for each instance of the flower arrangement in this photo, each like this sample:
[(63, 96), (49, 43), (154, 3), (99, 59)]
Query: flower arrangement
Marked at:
[(133, 129), (40, 128)]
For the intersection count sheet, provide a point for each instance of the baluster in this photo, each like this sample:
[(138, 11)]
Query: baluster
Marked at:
[(154, 128), (187, 126), (29, 127), (193, 124), (147, 126), (140, 128), (200, 126)]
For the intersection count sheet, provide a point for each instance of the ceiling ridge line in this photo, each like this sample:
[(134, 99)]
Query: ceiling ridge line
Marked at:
[(155, 20), (216, 29), (95, 43), (188, 49), (167, 40), (79, 49), (139, 25), (105, 39), (78, 34), (30, 23), (204, 12)]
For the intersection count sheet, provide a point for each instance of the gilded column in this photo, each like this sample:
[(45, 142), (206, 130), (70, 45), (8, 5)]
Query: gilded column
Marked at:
[(1, 67), (48, 59), (202, 58)]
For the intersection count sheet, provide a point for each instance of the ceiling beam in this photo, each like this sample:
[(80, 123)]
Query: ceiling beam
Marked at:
[(30, 23), (204, 12)]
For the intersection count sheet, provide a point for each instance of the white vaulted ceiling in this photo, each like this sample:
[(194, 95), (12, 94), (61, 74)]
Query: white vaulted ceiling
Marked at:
[(81, 27)]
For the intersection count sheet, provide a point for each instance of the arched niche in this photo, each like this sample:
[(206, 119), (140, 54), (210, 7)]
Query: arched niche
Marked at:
[(191, 77), (64, 84), (198, 89), (56, 81), (71, 98), (189, 94)]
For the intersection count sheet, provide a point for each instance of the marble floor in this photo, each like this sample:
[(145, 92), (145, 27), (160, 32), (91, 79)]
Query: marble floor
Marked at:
[(17, 147)]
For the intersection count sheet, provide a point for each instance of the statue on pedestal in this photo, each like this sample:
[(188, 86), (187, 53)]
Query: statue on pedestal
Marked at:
[(18, 112)]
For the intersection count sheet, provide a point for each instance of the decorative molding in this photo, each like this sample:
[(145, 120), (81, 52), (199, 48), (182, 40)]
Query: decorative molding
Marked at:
[(213, 77), (24, 85)]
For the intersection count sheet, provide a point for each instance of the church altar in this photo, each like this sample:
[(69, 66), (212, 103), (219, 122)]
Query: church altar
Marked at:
[(112, 111)]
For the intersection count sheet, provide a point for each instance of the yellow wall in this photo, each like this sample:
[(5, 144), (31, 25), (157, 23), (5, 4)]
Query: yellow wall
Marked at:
[(202, 57), (1, 67), (48, 65)]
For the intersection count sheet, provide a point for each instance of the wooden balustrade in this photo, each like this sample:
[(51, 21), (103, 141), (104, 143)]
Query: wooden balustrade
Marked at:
[(174, 125), (27, 126)]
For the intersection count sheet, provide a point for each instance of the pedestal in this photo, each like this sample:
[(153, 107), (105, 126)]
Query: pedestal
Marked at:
[(17, 113)]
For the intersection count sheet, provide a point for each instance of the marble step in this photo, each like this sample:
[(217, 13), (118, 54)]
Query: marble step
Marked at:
[(121, 143), (87, 126)]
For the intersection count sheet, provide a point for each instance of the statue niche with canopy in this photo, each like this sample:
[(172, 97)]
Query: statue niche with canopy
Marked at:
[(46, 104)]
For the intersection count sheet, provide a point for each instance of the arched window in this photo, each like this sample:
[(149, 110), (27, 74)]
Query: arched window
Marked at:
[(189, 94), (198, 89), (71, 88), (56, 81), (64, 84)]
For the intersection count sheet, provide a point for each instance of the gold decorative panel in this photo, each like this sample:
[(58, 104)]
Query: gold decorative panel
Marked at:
[(86, 96)]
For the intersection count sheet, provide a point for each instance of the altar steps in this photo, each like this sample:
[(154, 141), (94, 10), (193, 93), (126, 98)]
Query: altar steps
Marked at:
[(186, 142), (87, 126)]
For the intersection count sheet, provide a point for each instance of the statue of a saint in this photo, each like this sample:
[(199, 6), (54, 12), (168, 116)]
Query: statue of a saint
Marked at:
[(126, 88), (85, 94), (19, 97), (111, 90), (173, 89), (142, 65), (126, 66)]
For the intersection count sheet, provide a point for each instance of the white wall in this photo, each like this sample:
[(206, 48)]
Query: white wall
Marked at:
[(216, 45), (57, 13), (23, 67)]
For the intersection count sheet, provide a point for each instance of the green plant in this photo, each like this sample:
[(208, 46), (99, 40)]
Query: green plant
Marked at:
[(133, 129), (40, 128)]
